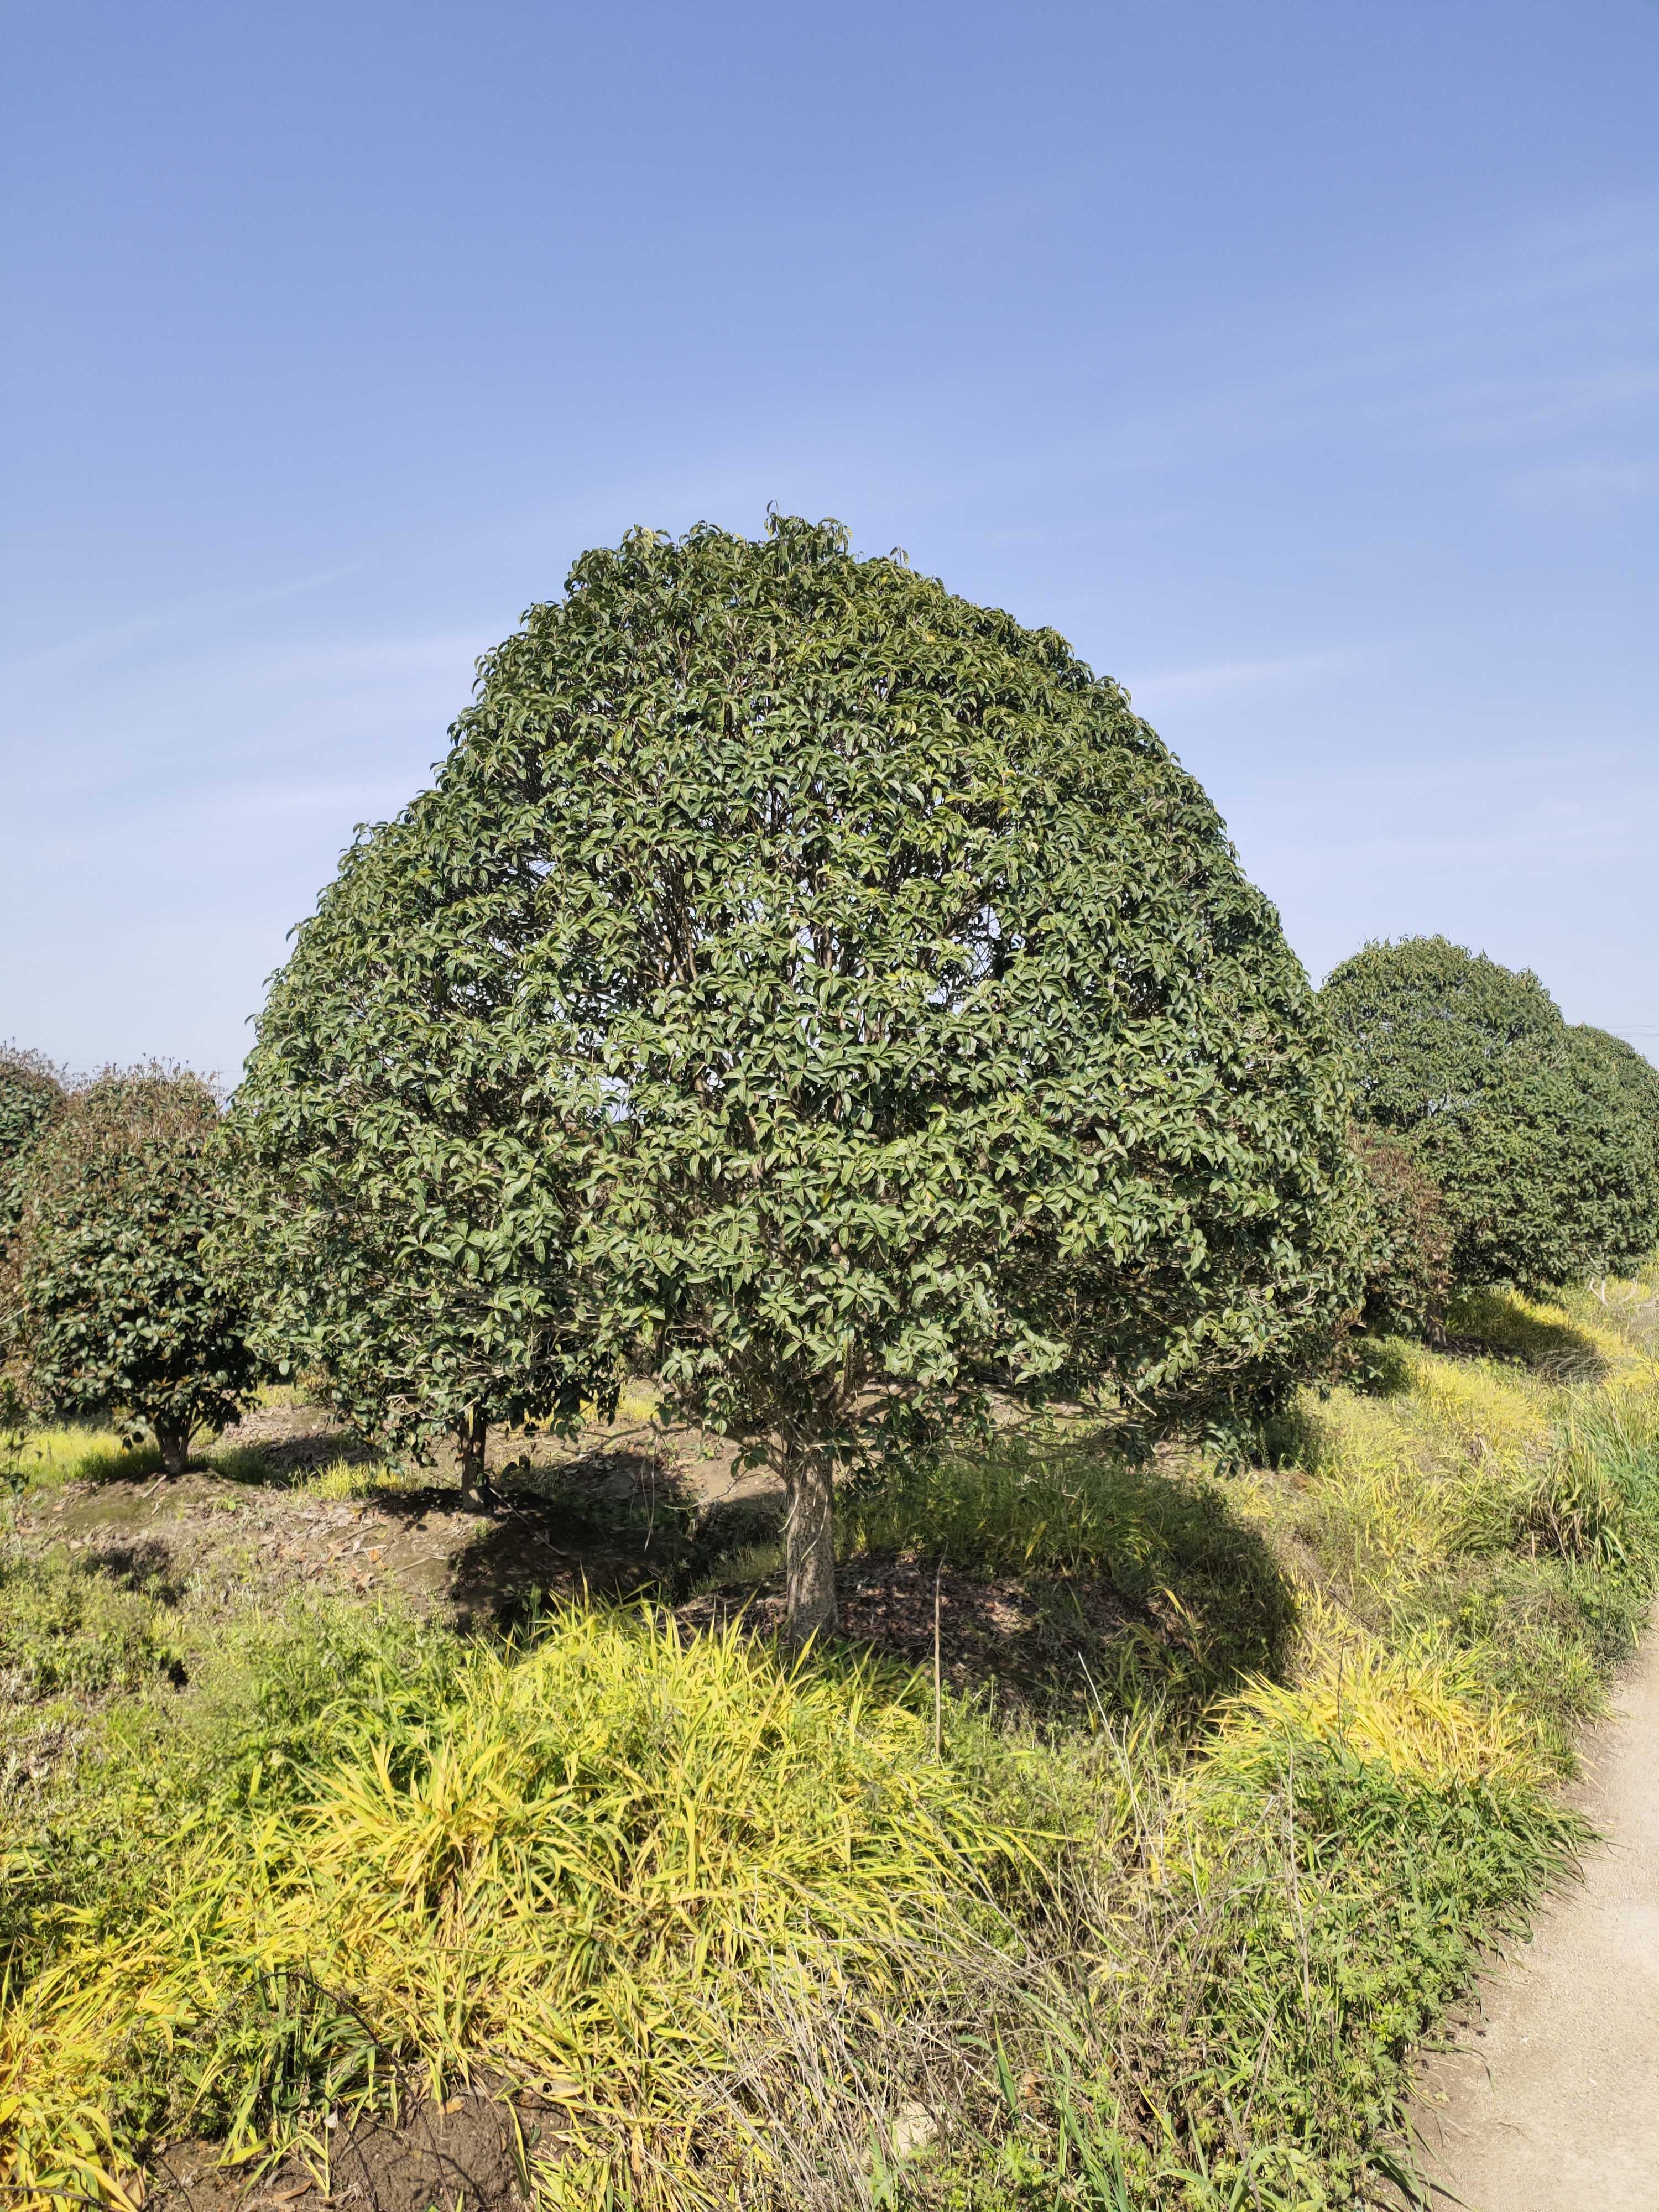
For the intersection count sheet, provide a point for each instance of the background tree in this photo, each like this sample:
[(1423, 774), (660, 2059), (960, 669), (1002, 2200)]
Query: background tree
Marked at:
[(1408, 1276), (1633, 1083), (31, 1096), (856, 996), (1537, 1134), (117, 1315), (403, 1167)]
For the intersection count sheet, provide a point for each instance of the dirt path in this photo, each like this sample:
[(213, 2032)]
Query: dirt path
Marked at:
[(1555, 2107)]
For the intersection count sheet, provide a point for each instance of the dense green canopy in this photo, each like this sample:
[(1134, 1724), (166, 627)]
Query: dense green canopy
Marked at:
[(1542, 1137), (826, 989), (1637, 1079), (31, 1096), (409, 1145), (116, 1313), (1408, 1273)]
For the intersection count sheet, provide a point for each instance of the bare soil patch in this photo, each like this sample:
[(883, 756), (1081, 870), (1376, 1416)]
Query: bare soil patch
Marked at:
[(467, 2154), (611, 1515), (1035, 1643)]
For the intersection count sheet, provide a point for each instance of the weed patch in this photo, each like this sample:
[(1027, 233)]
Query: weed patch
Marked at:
[(612, 1860), (67, 1629)]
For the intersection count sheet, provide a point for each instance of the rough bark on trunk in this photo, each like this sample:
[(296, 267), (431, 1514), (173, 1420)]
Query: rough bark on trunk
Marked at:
[(809, 1486), (174, 1440), (471, 1433)]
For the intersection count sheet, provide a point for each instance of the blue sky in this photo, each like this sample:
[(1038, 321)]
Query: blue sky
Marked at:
[(1300, 362)]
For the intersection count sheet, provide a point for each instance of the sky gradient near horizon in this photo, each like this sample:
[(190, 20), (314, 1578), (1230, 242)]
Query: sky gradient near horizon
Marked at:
[(1300, 364)]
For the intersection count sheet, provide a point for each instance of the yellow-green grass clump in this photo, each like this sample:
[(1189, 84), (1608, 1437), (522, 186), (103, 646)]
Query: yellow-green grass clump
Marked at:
[(614, 1862), (343, 1479), (1493, 1520)]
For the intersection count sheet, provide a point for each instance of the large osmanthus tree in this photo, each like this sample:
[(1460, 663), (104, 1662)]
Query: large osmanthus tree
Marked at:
[(1543, 1137), (115, 1311), (828, 991)]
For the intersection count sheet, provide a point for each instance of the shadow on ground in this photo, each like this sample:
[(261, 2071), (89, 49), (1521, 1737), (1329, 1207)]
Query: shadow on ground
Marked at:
[(1493, 1325), (612, 1523), (145, 1566), (1180, 1600)]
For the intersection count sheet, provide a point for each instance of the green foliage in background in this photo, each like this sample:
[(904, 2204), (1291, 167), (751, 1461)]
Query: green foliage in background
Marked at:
[(1408, 1276), (839, 986), (1542, 1137), (1630, 1085), (116, 1313), (31, 1096)]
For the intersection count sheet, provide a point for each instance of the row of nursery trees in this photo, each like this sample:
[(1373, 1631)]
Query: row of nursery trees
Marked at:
[(826, 996)]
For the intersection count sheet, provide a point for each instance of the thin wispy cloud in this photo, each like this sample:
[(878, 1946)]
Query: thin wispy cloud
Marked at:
[(1182, 686), (209, 610), (1589, 487), (1411, 359)]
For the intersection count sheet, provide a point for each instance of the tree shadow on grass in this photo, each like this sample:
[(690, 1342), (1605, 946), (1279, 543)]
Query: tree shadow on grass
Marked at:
[(278, 1462), (145, 1566), (1494, 1324), (1068, 1583)]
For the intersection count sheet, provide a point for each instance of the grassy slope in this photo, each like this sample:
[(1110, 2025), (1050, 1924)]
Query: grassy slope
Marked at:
[(750, 1939)]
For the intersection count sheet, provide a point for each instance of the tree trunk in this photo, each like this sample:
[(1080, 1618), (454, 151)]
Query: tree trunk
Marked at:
[(809, 1486), (174, 1438), (471, 1434)]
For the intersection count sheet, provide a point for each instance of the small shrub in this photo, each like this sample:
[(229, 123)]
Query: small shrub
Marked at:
[(65, 1628), (1381, 1366), (117, 1314)]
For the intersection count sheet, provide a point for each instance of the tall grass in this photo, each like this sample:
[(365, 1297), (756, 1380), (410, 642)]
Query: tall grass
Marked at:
[(611, 1861), (736, 1922)]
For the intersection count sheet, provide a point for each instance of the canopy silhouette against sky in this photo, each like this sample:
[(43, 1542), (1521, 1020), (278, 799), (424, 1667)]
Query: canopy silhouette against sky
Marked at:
[(1301, 363)]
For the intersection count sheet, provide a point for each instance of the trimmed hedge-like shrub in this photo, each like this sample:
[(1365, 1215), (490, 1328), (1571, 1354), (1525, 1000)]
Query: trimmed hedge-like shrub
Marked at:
[(30, 1097), (1540, 1137)]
